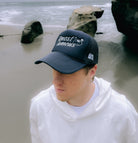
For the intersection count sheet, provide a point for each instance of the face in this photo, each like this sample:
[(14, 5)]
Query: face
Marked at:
[(70, 87)]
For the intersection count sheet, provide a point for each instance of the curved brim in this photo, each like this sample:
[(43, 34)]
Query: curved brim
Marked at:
[(61, 63)]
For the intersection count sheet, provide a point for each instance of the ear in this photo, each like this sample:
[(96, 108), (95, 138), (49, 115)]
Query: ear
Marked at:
[(92, 71)]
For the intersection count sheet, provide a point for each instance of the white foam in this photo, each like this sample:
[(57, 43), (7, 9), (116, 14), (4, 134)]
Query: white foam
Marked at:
[(7, 15), (105, 5)]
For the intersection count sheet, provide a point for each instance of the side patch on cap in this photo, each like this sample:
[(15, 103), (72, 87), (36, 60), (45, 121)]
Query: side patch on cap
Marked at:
[(91, 56)]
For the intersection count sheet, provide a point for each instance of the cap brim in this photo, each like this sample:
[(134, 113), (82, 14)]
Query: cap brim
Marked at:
[(61, 62)]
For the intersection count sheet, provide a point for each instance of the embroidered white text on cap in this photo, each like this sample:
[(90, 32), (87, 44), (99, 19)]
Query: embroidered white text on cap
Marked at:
[(69, 41)]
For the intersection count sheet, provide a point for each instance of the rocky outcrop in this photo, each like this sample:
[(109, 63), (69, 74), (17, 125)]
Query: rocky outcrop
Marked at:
[(31, 31), (125, 13), (85, 19)]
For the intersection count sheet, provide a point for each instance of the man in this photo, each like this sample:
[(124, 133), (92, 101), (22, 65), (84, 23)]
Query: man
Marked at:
[(79, 107)]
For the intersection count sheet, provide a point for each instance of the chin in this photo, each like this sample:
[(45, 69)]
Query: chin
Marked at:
[(61, 99)]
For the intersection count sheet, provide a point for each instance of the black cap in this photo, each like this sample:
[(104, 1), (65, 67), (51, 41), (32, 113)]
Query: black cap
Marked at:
[(73, 50)]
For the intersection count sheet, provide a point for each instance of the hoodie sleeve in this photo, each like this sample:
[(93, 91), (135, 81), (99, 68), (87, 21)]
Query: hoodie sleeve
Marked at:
[(132, 134), (33, 123)]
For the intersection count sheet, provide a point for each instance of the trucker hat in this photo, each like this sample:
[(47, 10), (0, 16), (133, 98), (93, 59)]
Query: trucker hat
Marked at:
[(73, 50)]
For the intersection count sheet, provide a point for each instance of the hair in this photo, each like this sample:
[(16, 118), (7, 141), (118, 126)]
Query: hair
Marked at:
[(87, 68)]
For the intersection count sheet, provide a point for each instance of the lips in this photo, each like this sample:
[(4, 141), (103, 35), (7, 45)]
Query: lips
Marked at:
[(59, 90)]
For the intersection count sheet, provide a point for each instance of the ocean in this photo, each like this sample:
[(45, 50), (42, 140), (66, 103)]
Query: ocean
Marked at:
[(55, 14), (48, 13)]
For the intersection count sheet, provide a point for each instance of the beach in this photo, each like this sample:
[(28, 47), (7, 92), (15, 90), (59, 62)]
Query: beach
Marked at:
[(21, 79)]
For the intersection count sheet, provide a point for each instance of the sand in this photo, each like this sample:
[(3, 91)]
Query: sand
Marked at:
[(21, 79)]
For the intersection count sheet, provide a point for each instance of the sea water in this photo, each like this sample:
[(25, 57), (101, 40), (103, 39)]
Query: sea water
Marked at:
[(55, 13)]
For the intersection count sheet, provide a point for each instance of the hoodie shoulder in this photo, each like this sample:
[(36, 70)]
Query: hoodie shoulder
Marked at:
[(116, 100), (42, 100)]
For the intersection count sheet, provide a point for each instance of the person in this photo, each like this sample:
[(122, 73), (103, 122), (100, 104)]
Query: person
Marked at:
[(80, 107)]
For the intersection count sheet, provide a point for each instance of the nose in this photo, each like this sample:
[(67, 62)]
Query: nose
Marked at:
[(57, 77)]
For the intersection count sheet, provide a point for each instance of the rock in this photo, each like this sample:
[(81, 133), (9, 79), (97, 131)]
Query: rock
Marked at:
[(125, 13), (130, 44), (31, 31), (1, 36), (99, 33), (85, 19)]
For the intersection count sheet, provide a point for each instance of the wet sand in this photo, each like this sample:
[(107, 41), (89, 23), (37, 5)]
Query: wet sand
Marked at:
[(21, 79)]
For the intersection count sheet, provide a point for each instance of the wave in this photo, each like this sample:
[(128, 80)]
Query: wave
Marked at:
[(106, 5), (21, 13)]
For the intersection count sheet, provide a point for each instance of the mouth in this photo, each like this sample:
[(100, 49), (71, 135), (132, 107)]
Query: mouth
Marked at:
[(58, 90)]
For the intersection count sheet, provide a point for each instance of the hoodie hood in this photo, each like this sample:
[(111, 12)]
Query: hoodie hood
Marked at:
[(97, 104)]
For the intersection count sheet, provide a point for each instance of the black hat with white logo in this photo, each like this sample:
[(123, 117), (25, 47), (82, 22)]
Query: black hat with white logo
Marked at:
[(73, 50)]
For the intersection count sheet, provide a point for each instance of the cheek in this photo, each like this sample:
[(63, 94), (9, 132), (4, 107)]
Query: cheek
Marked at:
[(76, 85), (70, 86)]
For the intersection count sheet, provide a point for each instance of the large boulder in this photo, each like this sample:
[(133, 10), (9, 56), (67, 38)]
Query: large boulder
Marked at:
[(125, 13), (85, 19), (31, 31)]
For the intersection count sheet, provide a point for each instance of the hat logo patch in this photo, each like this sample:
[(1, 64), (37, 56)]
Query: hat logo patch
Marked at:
[(91, 56), (69, 41)]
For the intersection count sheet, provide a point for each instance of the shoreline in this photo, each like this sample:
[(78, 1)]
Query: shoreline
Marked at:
[(6, 28)]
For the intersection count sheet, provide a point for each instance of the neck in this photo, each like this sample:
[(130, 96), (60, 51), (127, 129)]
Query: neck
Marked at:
[(84, 98)]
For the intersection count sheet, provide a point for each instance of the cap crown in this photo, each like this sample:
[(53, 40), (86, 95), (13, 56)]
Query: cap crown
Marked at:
[(77, 45)]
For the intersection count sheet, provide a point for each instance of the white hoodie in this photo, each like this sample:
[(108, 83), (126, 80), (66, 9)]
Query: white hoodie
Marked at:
[(110, 118)]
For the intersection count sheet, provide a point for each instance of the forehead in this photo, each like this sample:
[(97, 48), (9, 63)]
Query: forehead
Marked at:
[(77, 73)]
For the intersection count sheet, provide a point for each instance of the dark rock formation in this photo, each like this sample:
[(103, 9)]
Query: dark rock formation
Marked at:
[(1, 36), (85, 19), (31, 31), (125, 13)]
